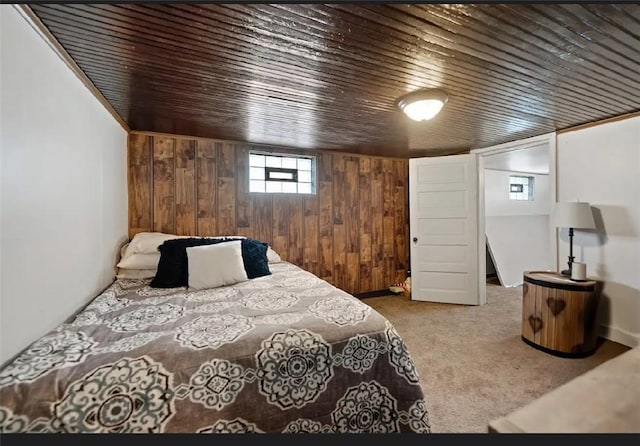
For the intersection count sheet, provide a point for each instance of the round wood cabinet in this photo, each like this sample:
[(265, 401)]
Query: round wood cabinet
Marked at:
[(559, 314)]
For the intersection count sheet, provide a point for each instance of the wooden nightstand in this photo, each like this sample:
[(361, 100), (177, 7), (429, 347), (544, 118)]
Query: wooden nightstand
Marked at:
[(558, 314)]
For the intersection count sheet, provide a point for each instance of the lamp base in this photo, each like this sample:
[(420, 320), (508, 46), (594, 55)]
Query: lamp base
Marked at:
[(567, 272)]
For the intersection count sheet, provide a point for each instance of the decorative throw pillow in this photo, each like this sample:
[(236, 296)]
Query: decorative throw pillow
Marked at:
[(212, 266), (173, 265), (254, 256)]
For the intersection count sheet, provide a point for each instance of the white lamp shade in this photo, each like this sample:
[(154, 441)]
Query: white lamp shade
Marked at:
[(573, 215)]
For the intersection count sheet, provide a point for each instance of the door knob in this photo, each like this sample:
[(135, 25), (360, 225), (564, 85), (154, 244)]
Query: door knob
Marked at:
[(415, 240)]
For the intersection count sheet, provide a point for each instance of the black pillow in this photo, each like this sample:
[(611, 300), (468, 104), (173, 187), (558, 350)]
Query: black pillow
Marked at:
[(254, 257), (173, 266)]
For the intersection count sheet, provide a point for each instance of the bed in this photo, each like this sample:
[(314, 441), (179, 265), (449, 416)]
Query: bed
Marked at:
[(284, 353)]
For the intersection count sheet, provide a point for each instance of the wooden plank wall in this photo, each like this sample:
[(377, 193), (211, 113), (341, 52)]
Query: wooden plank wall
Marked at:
[(353, 232)]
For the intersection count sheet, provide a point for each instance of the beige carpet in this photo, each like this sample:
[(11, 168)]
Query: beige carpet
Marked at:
[(473, 366)]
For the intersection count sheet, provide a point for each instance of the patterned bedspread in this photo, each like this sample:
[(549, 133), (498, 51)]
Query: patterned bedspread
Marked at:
[(282, 353)]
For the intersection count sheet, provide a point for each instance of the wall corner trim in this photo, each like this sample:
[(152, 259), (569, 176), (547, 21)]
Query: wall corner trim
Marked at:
[(32, 19)]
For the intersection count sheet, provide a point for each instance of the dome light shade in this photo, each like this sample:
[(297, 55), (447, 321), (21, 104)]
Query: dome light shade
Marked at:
[(421, 105)]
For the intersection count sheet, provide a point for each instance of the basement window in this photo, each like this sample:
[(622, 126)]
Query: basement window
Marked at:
[(281, 174), (521, 188)]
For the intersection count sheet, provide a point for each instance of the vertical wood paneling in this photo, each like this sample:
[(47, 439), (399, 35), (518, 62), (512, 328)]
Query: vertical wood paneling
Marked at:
[(351, 222), (296, 229), (226, 189), (311, 234), (400, 217), (388, 221), (244, 200), (140, 176), (206, 192), (377, 225), (164, 186), (263, 211), (326, 225), (280, 230), (352, 232), (185, 187), (365, 187), (339, 227), (226, 160)]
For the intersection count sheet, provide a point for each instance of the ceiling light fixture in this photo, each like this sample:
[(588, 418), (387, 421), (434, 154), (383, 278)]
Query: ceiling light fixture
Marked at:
[(424, 104)]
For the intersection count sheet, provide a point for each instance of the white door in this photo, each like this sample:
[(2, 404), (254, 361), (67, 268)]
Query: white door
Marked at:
[(443, 208)]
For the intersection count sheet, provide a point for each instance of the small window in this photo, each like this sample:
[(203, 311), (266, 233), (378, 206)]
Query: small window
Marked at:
[(520, 188), (281, 174)]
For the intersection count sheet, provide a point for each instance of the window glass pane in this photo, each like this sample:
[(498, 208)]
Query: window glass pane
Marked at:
[(256, 186), (521, 188), (304, 164), (304, 176), (290, 188), (304, 188), (256, 173), (274, 186), (289, 163), (256, 160), (280, 176), (273, 161)]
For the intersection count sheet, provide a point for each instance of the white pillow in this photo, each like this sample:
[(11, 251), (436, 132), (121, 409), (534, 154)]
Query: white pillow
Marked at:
[(272, 256), (123, 250), (140, 261), (212, 266), (136, 273), (148, 242)]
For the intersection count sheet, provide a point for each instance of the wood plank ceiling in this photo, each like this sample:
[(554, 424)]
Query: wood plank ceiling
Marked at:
[(326, 76)]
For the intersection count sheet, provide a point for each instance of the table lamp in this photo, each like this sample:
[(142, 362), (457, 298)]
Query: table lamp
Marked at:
[(572, 215)]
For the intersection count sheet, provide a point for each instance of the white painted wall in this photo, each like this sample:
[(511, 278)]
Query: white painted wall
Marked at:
[(517, 231), (518, 243), (497, 203), (601, 165), (63, 188)]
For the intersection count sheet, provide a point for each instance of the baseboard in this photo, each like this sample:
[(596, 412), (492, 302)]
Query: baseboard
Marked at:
[(619, 335), (378, 293)]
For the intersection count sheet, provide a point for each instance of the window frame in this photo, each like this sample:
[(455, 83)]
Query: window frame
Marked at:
[(295, 172)]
